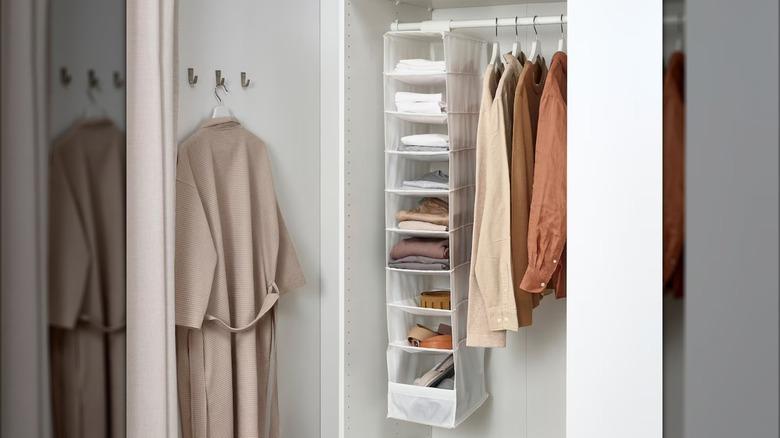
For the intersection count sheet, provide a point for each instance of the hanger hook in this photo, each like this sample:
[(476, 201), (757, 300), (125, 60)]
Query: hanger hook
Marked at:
[(216, 92), (496, 27), (516, 35), (534, 23), (561, 24)]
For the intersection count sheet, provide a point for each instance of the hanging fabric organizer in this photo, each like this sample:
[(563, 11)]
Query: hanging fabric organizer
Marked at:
[(459, 84)]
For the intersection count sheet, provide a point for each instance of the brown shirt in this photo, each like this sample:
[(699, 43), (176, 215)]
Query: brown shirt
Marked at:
[(233, 257), (547, 221), (526, 116), (674, 172), (491, 306)]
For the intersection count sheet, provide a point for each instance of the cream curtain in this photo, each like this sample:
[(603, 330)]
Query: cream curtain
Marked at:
[(151, 157), (24, 405)]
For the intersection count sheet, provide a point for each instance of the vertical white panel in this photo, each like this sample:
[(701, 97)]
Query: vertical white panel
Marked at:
[(614, 309)]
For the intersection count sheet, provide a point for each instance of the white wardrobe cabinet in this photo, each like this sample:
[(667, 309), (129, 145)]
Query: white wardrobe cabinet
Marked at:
[(590, 365)]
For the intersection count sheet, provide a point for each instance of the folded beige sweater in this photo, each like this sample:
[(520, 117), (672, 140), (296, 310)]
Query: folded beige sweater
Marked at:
[(432, 210)]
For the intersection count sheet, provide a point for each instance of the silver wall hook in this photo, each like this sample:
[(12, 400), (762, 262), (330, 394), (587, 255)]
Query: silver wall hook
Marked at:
[(192, 78), (92, 79), (244, 81), (118, 80), (220, 78), (65, 76)]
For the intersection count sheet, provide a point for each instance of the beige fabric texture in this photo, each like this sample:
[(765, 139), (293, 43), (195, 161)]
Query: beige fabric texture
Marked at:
[(492, 308), (87, 281), (528, 95), (233, 257), (152, 406)]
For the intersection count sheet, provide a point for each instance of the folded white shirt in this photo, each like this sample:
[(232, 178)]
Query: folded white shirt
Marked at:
[(419, 107), (420, 66), (405, 96), (434, 140)]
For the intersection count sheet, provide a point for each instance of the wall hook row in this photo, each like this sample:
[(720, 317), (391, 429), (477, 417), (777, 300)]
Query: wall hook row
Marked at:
[(219, 78)]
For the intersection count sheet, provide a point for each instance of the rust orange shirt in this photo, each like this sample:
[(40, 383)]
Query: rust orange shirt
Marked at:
[(547, 220)]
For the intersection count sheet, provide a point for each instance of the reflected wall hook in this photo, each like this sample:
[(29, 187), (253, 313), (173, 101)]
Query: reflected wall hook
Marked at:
[(244, 81), (192, 78), (92, 79), (220, 79), (118, 80), (65, 76)]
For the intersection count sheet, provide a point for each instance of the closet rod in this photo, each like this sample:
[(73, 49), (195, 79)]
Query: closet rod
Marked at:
[(440, 25), (446, 25)]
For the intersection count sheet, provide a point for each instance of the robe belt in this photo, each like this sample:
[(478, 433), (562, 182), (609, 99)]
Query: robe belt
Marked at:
[(268, 303), (100, 327)]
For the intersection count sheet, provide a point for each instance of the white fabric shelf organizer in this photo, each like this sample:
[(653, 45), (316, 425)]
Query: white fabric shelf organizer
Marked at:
[(465, 57)]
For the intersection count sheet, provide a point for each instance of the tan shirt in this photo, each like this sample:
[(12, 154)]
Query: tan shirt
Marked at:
[(674, 174), (87, 281), (233, 257), (547, 221), (526, 116), (491, 298)]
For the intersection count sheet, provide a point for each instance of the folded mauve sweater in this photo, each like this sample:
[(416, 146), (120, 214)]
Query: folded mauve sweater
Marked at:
[(417, 246)]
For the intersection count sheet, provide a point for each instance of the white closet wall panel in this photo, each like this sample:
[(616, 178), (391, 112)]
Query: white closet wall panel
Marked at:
[(365, 325), (614, 319), (277, 45)]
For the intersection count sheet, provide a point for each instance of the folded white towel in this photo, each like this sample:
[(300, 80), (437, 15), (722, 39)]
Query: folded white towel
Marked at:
[(419, 107), (434, 140), (405, 96)]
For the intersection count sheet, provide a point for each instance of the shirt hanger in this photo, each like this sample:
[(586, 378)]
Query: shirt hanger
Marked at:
[(562, 39), (495, 57), (93, 110), (536, 46), (516, 45)]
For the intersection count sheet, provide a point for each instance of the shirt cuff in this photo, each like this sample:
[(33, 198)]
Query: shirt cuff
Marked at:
[(534, 281), (502, 318)]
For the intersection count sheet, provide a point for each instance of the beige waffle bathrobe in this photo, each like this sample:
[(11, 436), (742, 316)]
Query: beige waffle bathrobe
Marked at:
[(233, 257), (87, 281)]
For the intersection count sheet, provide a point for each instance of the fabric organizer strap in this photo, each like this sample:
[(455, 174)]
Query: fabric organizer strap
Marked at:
[(268, 303), (100, 327)]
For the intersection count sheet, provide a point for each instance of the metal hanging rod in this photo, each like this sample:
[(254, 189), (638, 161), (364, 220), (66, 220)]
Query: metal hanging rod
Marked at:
[(445, 25)]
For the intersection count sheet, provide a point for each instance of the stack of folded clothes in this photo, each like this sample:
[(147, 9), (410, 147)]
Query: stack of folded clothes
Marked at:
[(436, 180), (420, 66), (419, 103), (431, 214), (425, 143), (421, 254)]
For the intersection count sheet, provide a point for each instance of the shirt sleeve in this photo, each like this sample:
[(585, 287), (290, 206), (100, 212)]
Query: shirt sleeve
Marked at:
[(196, 256), (68, 251), (547, 222), (289, 274)]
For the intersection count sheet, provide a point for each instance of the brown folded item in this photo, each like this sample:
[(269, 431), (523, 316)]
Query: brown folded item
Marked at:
[(435, 299), (421, 226), (433, 210), (419, 333), (439, 341), (417, 246)]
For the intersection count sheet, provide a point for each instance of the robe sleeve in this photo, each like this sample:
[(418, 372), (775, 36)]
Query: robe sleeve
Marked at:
[(289, 274), (196, 257), (68, 251)]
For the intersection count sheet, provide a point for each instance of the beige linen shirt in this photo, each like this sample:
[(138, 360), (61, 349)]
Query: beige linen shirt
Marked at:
[(491, 297), (233, 257), (87, 281)]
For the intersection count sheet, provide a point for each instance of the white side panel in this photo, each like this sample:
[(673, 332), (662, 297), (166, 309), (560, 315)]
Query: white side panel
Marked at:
[(614, 309), (277, 44)]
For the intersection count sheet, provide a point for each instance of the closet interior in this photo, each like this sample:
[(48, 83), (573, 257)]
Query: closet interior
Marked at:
[(517, 390)]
